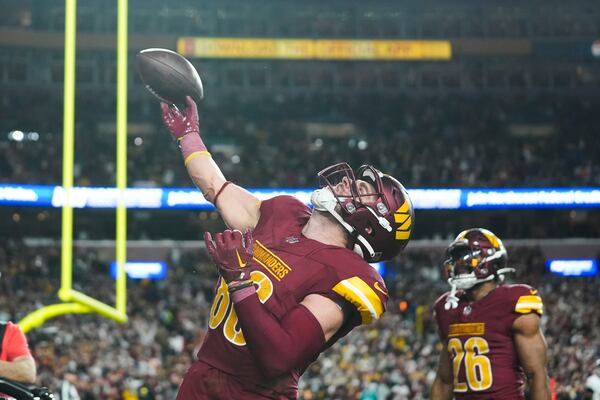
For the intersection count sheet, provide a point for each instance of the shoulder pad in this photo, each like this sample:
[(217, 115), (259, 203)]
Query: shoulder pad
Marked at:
[(525, 298), (368, 298), (352, 279)]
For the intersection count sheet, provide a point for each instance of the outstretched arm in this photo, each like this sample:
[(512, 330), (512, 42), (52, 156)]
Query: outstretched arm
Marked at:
[(239, 208), (531, 348)]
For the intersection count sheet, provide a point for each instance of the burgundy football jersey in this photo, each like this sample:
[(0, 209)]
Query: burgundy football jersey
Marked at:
[(479, 338), (286, 268)]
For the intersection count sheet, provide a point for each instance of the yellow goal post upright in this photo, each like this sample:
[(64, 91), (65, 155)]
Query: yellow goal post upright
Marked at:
[(75, 302)]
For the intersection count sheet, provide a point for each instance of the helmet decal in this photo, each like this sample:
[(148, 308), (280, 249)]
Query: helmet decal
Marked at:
[(402, 217)]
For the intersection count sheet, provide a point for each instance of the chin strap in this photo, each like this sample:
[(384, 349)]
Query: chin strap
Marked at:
[(452, 299), (324, 200), (461, 280)]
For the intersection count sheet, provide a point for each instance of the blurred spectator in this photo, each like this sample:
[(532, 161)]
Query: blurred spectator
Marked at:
[(592, 383), (68, 390)]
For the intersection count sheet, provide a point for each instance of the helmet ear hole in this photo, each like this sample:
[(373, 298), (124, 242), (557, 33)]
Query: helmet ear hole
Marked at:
[(369, 230)]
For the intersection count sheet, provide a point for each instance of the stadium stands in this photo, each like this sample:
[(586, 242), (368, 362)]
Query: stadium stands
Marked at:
[(167, 319), (529, 141)]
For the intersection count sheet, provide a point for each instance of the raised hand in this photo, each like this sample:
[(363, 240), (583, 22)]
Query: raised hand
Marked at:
[(181, 124), (231, 251)]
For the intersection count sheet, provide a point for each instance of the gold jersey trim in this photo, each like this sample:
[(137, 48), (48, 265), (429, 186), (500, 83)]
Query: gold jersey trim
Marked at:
[(529, 304), (360, 294), (468, 329)]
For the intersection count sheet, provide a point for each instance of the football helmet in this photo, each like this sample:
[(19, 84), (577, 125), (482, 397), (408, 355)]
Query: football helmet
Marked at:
[(379, 219), (475, 256)]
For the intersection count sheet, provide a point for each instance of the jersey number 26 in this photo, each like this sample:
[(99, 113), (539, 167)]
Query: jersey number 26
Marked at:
[(478, 368)]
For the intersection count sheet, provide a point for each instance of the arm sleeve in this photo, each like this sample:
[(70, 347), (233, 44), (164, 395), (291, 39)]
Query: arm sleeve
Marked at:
[(279, 346), (15, 344)]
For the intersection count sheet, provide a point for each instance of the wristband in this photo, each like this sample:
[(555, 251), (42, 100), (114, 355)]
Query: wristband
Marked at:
[(242, 293), (219, 192), (194, 154), (191, 145), (239, 285)]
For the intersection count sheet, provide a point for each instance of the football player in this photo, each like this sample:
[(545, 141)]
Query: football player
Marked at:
[(490, 332), (292, 280)]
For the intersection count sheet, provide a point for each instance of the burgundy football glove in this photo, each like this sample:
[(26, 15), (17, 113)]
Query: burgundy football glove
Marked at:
[(231, 251), (185, 128), (181, 124)]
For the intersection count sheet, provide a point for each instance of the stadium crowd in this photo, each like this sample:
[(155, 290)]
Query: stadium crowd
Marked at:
[(146, 357), (453, 19), (442, 141)]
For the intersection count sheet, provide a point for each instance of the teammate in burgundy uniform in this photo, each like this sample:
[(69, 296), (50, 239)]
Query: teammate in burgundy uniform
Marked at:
[(297, 280), (490, 332)]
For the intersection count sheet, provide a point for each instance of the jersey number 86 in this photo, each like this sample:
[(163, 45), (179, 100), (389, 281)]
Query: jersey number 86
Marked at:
[(222, 307)]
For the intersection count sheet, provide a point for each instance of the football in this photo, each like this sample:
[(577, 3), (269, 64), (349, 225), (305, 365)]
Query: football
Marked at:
[(169, 76)]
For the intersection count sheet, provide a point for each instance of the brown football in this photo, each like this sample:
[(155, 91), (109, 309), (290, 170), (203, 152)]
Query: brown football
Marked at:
[(169, 76)]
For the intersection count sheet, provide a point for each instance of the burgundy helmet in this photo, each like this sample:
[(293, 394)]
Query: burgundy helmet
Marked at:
[(475, 256), (380, 221)]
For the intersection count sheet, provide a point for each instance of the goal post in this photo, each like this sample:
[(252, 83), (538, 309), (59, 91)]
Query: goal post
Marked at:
[(74, 301)]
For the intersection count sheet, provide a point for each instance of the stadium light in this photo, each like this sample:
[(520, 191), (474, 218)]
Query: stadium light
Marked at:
[(16, 135), (573, 267)]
